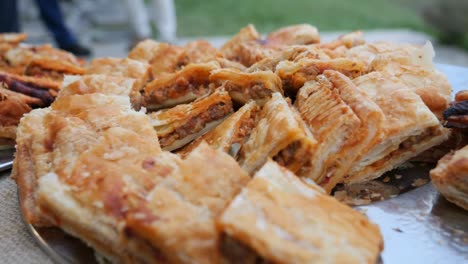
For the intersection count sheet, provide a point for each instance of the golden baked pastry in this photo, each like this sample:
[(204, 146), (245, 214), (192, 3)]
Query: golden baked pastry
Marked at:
[(409, 126), (163, 57), (181, 87), (244, 87), (280, 134), (192, 197), (230, 135), (181, 124), (277, 218), (140, 71), (96, 83), (343, 120), (98, 165), (450, 177), (245, 47)]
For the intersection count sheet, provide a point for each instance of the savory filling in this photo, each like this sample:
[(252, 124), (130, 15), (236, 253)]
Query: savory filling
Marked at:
[(407, 145), (38, 71), (235, 251), (196, 123), (182, 87), (293, 156), (242, 134), (255, 91)]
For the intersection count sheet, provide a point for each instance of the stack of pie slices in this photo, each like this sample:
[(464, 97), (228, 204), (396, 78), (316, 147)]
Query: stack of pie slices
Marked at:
[(30, 77), (194, 154)]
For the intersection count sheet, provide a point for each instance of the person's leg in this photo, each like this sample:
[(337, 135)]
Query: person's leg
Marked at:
[(52, 16), (138, 18), (9, 21), (164, 16)]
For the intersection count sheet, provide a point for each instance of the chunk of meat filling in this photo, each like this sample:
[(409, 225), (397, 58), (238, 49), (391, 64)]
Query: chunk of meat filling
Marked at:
[(196, 123), (181, 87)]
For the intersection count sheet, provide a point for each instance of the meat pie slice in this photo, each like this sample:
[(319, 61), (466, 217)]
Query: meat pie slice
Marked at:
[(414, 66), (409, 127), (334, 125), (52, 69), (192, 197), (180, 87), (277, 218), (302, 34), (450, 177), (112, 177), (163, 57), (281, 134), (244, 87), (129, 68), (295, 74), (179, 125), (230, 135)]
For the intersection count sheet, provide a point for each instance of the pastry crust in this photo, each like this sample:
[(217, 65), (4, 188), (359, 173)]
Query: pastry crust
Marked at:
[(343, 120), (246, 47), (129, 68), (230, 135), (192, 197), (180, 125), (450, 177), (409, 127), (284, 220), (200, 51), (244, 87), (163, 57), (180, 87), (96, 83), (280, 134)]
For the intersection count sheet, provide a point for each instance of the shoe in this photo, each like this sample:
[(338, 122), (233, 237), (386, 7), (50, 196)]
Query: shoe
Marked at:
[(78, 50)]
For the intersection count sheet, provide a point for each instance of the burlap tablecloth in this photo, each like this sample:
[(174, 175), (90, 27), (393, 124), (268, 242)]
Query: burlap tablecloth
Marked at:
[(16, 243)]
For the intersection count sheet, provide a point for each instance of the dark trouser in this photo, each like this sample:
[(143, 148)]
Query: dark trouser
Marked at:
[(9, 16), (53, 18)]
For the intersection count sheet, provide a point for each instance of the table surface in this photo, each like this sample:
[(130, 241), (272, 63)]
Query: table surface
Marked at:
[(18, 246)]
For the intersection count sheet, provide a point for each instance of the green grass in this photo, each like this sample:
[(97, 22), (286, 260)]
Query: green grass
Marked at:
[(218, 17)]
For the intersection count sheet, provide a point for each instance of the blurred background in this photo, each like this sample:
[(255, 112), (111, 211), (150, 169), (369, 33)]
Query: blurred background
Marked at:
[(109, 28)]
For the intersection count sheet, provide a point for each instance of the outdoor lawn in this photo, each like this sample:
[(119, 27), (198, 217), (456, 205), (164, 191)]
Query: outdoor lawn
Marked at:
[(218, 17)]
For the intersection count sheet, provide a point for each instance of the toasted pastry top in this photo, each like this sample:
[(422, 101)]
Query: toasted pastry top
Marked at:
[(284, 220)]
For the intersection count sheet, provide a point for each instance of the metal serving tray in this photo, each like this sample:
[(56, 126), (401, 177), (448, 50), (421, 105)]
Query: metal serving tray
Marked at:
[(418, 225)]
